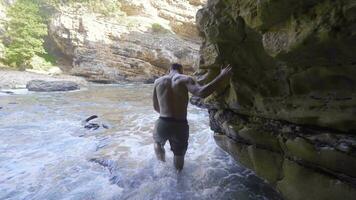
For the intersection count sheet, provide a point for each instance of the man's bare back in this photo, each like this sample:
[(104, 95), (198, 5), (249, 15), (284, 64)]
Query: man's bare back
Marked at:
[(170, 100), (172, 95)]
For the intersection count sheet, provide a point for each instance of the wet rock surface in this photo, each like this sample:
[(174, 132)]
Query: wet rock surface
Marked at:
[(51, 86), (286, 66), (291, 157), (289, 111), (93, 123)]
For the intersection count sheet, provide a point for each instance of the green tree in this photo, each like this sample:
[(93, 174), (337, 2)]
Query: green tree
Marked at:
[(25, 31)]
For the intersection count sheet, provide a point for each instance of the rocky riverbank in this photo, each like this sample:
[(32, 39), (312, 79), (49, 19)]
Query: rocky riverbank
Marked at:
[(10, 79)]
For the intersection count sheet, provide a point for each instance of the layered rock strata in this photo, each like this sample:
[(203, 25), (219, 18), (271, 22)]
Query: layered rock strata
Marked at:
[(301, 162), (137, 44), (289, 113)]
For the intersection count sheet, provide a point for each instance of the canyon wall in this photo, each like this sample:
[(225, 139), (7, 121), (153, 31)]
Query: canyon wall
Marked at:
[(137, 43), (289, 112)]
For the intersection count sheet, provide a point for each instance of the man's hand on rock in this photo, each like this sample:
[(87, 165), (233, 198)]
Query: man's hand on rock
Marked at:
[(226, 72)]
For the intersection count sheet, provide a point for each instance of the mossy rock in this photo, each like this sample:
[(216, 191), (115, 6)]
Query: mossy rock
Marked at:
[(300, 183), (158, 28), (238, 151), (261, 138), (324, 157), (266, 164)]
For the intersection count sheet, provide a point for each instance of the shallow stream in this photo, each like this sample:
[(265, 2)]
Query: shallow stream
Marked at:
[(46, 153)]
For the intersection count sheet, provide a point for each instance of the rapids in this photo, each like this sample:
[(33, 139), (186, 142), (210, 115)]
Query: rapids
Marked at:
[(45, 153)]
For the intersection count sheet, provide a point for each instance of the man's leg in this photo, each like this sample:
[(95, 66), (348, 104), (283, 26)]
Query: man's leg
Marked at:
[(178, 162), (179, 145), (159, 151), (159, 140)]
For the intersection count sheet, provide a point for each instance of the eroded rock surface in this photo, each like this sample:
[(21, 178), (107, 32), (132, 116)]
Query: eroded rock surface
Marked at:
[(291, 157), (297, 65), (289, 113), (138, 44)]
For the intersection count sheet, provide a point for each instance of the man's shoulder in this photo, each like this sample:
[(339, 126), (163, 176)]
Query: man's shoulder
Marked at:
[(162, 79), (183, 77), (186, 79), (180, 78)]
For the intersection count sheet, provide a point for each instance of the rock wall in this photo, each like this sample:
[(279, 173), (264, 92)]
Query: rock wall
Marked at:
[(289, 113), (138, 44)]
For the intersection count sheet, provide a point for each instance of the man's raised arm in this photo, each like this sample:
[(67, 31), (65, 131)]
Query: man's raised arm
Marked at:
[(204, 91)]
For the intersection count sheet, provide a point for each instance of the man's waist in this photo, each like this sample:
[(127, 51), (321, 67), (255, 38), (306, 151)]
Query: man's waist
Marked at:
[(173, 119)]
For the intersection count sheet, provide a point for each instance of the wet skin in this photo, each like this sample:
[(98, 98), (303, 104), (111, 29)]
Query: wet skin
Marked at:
[(171, 96)]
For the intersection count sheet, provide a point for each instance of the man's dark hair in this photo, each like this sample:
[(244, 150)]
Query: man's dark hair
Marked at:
[(176, 66)]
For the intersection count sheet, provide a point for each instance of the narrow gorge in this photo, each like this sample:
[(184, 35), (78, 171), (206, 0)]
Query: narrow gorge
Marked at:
[(288, 113)]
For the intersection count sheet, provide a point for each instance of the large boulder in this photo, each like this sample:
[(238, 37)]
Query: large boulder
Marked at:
[(51, 86), (289, 111)]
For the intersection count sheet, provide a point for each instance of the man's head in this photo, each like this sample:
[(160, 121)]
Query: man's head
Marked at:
[(177, 67)]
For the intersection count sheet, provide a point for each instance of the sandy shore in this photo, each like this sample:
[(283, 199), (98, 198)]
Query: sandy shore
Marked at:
[(10, 79)]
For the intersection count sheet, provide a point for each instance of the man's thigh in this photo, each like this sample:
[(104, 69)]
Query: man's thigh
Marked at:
[(160, 134), (179, 140)]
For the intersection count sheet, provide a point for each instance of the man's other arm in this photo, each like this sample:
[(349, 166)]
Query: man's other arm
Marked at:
[(204, 91), (155, 100)]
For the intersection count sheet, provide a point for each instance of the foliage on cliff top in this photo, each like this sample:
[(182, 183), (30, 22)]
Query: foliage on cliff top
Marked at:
[(104, 7), (158, 28), (25, 32)]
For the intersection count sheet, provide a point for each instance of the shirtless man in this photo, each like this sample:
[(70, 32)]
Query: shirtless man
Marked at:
[(170, 100)]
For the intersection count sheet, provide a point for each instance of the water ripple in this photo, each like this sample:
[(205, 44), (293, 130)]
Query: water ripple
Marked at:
[(46, 153)]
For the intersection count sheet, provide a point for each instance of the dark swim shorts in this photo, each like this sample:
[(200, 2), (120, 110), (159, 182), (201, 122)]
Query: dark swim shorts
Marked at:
[(175, 131)]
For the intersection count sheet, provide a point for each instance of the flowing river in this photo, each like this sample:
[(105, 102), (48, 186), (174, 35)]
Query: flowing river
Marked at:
[(46, 153)]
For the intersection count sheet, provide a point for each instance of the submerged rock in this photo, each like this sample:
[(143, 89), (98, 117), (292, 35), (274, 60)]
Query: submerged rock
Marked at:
[(51, 86), (89, 125), (92, 126), (91, 118), (7, 92)]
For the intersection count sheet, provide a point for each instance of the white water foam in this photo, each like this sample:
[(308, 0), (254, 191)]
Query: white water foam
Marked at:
[(45, 153)]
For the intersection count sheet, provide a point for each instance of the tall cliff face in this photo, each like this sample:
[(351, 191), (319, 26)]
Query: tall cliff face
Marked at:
[(137, 44), (289, 113)]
